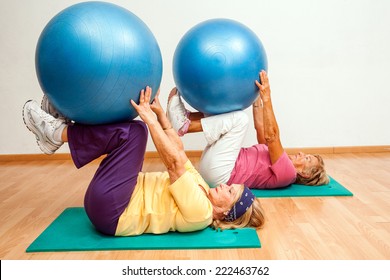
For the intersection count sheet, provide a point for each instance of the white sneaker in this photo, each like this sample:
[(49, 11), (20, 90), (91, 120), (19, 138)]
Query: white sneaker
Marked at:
[(43, 125), (178, 114), (51, 110)]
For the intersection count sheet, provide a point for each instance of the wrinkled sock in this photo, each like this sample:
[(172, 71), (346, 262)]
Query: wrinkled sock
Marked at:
[(58, 133)]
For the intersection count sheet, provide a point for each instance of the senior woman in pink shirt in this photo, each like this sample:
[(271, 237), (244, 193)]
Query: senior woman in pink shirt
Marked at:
[(262, 166)]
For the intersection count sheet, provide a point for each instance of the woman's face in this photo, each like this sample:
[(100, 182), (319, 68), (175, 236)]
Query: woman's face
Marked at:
[(303, 161), (224, 195)]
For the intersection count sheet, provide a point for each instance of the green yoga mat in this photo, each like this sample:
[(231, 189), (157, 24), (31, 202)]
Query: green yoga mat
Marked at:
[(72, 231), (334, 188)]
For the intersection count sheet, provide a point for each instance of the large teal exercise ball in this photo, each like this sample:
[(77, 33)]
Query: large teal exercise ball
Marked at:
[(92, 58), (215, 66)]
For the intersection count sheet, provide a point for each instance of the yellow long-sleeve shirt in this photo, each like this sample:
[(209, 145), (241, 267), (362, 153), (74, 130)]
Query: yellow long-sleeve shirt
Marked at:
[(157, 207)]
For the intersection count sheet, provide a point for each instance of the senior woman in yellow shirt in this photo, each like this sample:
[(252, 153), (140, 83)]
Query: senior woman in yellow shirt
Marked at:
[(122, 200)]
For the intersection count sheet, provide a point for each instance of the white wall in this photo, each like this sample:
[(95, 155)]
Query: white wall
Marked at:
[(328, 63)]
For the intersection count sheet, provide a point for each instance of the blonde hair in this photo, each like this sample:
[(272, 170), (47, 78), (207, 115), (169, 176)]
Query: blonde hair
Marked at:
[(317, 175), (254, 217)]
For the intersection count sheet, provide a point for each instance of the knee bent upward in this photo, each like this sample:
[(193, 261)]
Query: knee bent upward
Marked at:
[(240, 118), (113, 184)]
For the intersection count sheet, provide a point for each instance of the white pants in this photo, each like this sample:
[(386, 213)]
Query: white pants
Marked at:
[(225, 135)]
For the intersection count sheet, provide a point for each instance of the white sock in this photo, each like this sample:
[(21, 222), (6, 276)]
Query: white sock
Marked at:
[(58, 133)]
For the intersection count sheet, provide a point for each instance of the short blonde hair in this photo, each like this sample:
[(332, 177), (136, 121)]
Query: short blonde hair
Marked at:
[(254, 217), (317, 176)]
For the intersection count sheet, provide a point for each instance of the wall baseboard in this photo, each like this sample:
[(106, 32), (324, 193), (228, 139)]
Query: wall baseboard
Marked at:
[(198, 153), (340, 150)]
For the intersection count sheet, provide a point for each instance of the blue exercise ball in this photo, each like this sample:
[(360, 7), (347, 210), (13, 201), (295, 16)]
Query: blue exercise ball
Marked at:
[(92, 58), (215, 66)]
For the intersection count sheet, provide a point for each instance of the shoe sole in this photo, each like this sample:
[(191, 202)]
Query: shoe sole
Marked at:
[(172, 102), (44, 104), (169, 105), (32, 128)]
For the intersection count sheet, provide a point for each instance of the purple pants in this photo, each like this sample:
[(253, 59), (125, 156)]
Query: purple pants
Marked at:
[(111, 188)]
